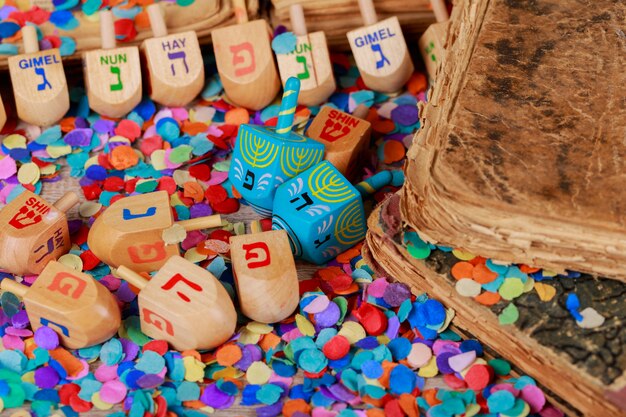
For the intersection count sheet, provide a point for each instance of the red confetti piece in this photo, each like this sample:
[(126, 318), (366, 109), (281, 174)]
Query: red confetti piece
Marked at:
[(336, 348), (90, 261), (151, 144), (215, 194), (128, 129), (68, 391), (91, 191), (200, 171), (125, 30), (158, 346), (373, 320), (231, 205), (113, 184), (478, 377), (168, 184)]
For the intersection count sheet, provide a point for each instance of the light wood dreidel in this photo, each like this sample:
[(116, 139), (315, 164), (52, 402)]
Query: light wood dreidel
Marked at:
[(39, 84), (80, 309), (310, 62), (112, 75), (184, 305), (3, 114), (380, 51), (130, 232), (245, 61), (431, 42), (345, 137), (264, 157), (173, 62), (265, 274), (33, 232)]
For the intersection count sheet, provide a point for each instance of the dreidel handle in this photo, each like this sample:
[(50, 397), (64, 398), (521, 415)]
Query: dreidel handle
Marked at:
[(107, 30), (288, 106), (440, 10), (157, 22), (69, 200), (132, 277), (30, 39), (11, 286), (374, 183), (298, 23), (200, 223), (368, 12), (241, 11)]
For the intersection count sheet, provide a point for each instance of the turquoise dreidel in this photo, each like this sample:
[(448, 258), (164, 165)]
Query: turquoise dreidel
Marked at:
[(322, 212), (265, 157)]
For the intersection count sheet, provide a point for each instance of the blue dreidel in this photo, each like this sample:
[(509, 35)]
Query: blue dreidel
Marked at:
[(322, 212), (265, 157)]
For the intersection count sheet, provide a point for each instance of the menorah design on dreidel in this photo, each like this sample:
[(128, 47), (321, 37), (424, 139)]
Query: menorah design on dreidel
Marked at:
[(183, 304), (130, 232), (265, 157), (322, 212), (33, 232), (80, 309)]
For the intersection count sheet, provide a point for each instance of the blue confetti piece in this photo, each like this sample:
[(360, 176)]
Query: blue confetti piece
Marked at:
[(500, 401), (68, 45), (9, 49), (8, 29), (284, 43)]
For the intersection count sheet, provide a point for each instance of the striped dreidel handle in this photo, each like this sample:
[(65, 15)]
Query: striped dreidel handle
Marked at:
[(288, 106), (374, 183)]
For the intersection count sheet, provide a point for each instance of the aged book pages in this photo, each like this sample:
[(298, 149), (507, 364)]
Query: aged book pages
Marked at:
[(522, 153)]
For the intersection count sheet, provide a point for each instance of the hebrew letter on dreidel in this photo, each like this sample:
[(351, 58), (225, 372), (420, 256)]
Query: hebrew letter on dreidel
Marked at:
[(179, 278), (24, 218), (305, 197), (383, 59), (49, 249), (178, 55), (304, 75), (150, 317), (44, 80), (149, 253), (259, 251), (68, 284), (118, 86), (47, 323), (249, 177), (239, 57), (333, 131), (319, 243), (127, 215)]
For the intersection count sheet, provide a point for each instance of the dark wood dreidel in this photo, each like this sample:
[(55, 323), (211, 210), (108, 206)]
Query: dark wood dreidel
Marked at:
[(431, 42), (309, 62), (245, 62), (183, 304), (380, 51), (39, 84), (265, 157), (130, 232), (112, 75), (33, 232), (174, 63), (266, 276), (80, 309)]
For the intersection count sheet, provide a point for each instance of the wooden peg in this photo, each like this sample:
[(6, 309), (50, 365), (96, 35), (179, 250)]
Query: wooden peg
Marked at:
[(184, 305), (33, 232), (173, 62), (265, 274), (3, 114), (79, 308), (345, 137), (39, 83), (380, 51), (112, 75), (431, 42), (130, 232), (244, 59), (310, 62)]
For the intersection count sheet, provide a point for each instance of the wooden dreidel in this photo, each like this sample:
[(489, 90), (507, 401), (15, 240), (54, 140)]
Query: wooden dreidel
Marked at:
[(380, 51), (245, 62), (79, 308), (265, 274), (39, 83), (174, 63), (431, 42), (264, 157), (33, 232), (322, 212), (184, 305), (309, 62), (112, 75), (345, 137), (130, 232), (3, 114)]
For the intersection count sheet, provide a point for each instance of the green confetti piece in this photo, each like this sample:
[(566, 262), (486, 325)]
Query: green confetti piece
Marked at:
[(222, 166), (146, 186), (509, 315), (181, 154), (10, 303), (511, 288), (500, 366)]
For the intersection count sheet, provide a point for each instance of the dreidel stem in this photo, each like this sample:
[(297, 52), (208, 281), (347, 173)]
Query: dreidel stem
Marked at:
[(374, 183), (199, 223), (132, 277), (440, 10), (157, 22), (368, 12), (241, 11), (13, 287), (298, 23), (69, 200), (107, 30), (30, 39), (288, 106)]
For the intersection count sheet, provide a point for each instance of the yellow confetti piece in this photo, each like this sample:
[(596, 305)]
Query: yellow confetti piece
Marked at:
[(524, 413), (72, 261), (227, 373), (175, 200), (544, 291), (157, 159), (29, 377), (547, 273), (194, 369), (174, 234), (450, 313), (98, 403), (352, 331), (48, 169), (21, 413), (529, 285), (248, 338), (430, 369), (383, 339), (374, 382), (258, 373), (472, 410), (14, 141), (259, 328), (28, 173), (192, 255), (58, 151), (119, 139), (91, 161), (181, 177), (464, 256), (305, 326), (89, 208)]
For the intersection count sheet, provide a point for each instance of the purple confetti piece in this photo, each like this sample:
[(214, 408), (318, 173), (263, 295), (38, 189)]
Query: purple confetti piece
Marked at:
[(79, 137), (328, 317), (200, 210), (215, 398), (270, 410), (20, 320), (130, 349), (46, 338)]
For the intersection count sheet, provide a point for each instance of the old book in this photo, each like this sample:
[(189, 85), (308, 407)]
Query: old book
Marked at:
[(522, 153), (584, 370)]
